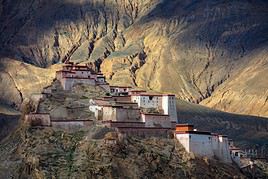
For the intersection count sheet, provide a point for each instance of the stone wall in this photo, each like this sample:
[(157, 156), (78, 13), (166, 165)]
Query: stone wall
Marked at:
[(145, 132), (121, 98), (106, 87), (127, 104), (68, 83), (120, 114), (71, 124), (38, 119), (117, 124), (109, 113), (123, 114), (154, 120)]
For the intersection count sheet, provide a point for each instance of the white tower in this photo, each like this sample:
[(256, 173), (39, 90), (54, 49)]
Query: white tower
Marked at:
[(169, 106)]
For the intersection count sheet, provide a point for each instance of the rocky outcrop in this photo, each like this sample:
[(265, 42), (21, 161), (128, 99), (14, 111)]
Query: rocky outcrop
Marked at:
[(20, 80), (208, 52)]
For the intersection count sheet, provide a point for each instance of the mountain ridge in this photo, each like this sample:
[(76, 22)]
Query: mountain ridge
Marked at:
[(213, 52)]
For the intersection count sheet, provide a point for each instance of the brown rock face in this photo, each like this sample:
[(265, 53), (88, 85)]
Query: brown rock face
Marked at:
[(208, 52), (19, 80)]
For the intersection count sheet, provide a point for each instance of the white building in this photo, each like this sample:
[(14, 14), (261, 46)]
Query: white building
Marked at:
[(169, 106), (203, 144), (165, 103), (220, 147), (119, 90), (195, 142)]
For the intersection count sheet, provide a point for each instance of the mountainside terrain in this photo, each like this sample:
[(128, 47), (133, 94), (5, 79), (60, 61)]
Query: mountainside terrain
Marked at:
[(8, 123), (209, 52), (50, 153)]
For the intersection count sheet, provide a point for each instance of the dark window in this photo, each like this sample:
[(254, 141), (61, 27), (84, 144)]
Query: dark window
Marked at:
[(236, 154), (150, 97)]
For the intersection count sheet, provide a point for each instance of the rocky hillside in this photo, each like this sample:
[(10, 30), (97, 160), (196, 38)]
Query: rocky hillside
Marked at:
[(209, 52), (8, 123), (50, 153)]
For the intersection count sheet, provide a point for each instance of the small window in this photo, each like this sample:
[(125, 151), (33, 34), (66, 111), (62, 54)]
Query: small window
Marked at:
[(150, 97), (236, 154)]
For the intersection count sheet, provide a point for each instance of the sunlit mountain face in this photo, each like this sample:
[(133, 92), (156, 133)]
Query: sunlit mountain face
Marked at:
[(212, 52)]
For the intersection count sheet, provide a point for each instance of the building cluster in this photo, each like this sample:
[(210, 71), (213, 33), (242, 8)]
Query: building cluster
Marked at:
[(72, 74), (137, 112)]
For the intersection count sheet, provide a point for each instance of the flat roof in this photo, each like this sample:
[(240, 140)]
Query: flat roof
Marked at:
[(151, 128), (193, 132), (125, 102), (75, 77), (154, 114), (219, 135), (100, 102), (183, 125), (131, 122), (38, 114), (151, 94), (234, 148), (137, 90), (121, 96), (79, 120)]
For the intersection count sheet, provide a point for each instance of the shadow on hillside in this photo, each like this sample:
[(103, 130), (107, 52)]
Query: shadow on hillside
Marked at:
[(8, 123), (24, 23), (21, 19), (235, 26), (243, 129)]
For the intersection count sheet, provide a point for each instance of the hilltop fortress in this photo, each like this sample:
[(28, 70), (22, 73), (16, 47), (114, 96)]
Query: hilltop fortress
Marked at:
[(135, 112), (71, 75)]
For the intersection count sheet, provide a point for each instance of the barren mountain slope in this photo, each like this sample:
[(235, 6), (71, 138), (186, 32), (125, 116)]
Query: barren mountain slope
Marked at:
[(20, 80), (207, 51)]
